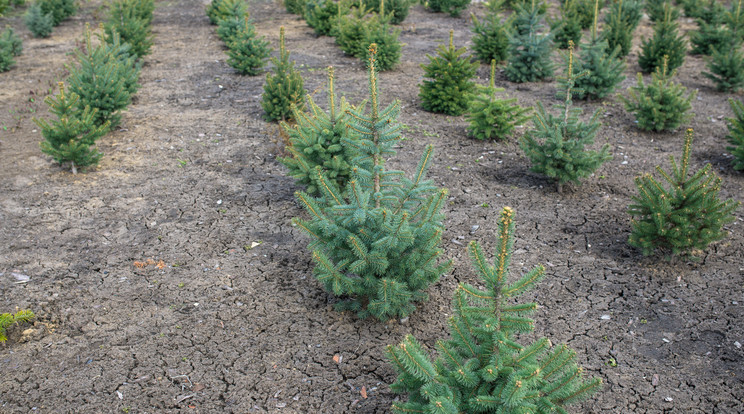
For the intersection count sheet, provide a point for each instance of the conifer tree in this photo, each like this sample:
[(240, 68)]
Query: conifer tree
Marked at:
[(666, 44), (10, 47), (246, 52), (352, 31), (529, 49), (379, 32), (684, 216), (448, 80), (295, 6), (284, 88), (453, 7), (630, 11), (491, 117), (690, 8), (71, 138), (557, 145), (127, 21), (355, 32), (482, 368), (395, 10), (11, 41), (377, 247), (711, 36), (587, 12), (321, 15), (735, 19), (726, 68), (228, 28), (219, 10), (60, 9), (660, 106), (656, 9), (735, 136), (621, 21), (105, 77), (143, 9), (711, 11), (40, 24), (568, 26), (6, 57), (316, 141), (604, 70), (8, 319), (491, 38)]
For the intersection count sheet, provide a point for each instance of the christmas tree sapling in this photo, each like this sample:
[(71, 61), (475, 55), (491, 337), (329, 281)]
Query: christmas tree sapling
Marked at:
[(105, 77), (10, 47), (295, 6), (321, 15), (557, 145), (711, 36), (453, 7), (218, 10), (685, 216), (379, 32), (587, 11), (316, 141), (666, 45), (660, 106), (355, 32), (491, 117), (726, 68), (448, 80), (246, 52), (656, 9), (395, 10), (620, 23), (59, 9), (482, 368), (735, 136), (491, 38), (228, 28), (127, 21), (70, 138), (529, 49), (377, 246), (604, 68), (568, 26), (11, 41), (352, 29), (734, 19), (38, 23), (284, 88)]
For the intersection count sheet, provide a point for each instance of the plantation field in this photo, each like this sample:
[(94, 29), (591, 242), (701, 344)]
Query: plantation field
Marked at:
[(170, 278)]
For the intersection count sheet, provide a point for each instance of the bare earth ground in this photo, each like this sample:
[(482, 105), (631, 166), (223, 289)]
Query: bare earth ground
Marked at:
[(191, 179)]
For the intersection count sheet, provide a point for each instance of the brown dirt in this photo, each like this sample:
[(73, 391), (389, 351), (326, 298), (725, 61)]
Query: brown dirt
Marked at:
[(191, 179)]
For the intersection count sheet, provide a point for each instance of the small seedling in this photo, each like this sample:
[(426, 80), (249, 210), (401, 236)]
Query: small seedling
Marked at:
[(8, 319)]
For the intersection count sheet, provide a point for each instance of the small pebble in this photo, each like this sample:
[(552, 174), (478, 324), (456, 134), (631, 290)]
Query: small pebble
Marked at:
[(605, 317)]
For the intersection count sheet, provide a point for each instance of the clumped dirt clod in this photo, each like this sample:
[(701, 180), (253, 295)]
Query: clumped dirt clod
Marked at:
[(234, 321)]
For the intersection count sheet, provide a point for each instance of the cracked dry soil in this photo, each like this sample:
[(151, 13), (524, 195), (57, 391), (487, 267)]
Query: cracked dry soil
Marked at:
[(234, 322)]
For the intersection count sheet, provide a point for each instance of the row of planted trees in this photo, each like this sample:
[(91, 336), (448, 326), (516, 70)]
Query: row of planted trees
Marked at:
[(101, 84), (376, 233), (376, 237), (40, 18)]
